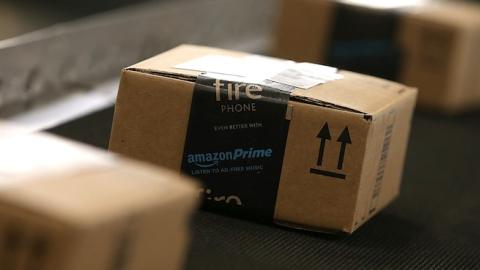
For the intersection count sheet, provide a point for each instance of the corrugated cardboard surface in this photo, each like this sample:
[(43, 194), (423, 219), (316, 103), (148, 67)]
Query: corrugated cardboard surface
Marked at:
[(315, 200), (383, 169), (87, 209), (139, 110), (152, 114)]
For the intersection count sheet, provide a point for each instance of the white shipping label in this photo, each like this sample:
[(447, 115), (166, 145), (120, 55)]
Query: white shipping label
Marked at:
[(306, 75), (252, 66), (215, 64)]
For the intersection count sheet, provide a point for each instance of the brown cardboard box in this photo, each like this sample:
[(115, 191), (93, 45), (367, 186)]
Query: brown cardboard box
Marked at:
[(66, 206), (431, 45), (324, 157), (441, 45)]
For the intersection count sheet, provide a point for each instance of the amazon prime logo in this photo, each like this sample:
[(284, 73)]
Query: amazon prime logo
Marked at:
[(212, 159)]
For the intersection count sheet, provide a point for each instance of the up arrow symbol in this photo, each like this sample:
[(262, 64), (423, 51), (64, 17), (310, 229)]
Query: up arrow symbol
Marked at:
[(323, 135), (344, 139)]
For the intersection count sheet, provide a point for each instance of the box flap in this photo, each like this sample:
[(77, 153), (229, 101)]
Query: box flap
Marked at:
[(353, 92)]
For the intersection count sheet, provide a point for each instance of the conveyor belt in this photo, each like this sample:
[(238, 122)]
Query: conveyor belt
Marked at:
[(433, 225)]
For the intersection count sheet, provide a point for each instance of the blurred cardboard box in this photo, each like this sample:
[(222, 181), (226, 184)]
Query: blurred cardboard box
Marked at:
[(433, 46), (441, 45), (302, 145), (70, 207)]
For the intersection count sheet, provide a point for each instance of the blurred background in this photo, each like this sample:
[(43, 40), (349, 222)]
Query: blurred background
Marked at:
[(60, 62)]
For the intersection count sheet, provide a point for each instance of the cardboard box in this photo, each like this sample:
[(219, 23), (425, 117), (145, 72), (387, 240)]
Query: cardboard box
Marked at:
[(434, 46), (304, 145), (69, 207), (441, 47)]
